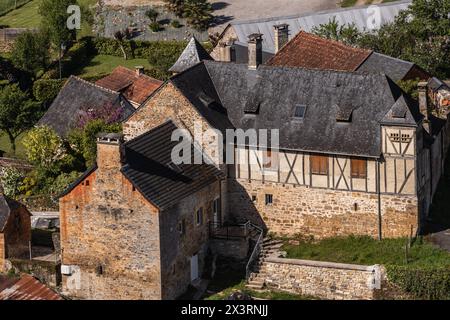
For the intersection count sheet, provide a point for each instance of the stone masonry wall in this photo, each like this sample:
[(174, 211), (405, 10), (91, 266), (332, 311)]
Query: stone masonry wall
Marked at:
[(109, 236), (2, 253), (321, 212), (177, 249), (17, 233), (323, 279)]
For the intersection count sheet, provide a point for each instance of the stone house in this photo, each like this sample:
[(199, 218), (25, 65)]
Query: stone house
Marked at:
[(15, 230), (356, 155), (135, 226)]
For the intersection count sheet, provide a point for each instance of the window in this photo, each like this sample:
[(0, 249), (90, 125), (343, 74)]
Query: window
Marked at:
[(87, 182), (181, 227), (199, 217), (319, 164), (359, 168), (299, 111), (216, 205), (254, 197), (269, 199), (270, 160)]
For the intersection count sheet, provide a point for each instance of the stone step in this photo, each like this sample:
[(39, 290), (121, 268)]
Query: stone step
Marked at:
[(258, 286)]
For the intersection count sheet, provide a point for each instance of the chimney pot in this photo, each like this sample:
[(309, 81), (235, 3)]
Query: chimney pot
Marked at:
[(281, 32), (139, 70), (254, 50)]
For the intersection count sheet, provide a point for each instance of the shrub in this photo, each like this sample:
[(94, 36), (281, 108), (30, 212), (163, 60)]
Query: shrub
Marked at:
[(12, 180), (63, 181), (155, 26), (422, 282), (46, 90), (176, 24), (152, 14)]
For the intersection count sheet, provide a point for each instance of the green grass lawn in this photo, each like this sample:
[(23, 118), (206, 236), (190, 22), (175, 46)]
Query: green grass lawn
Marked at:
[(6, 146), (102, 65), (28, 16), (368, 251)]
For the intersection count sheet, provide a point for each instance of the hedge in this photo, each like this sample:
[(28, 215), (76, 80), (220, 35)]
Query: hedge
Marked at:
[(46, 90), (422, 282)]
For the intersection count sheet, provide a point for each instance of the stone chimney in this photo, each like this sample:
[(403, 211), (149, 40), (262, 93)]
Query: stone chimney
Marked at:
[(422, 88), (109, 151), (254, 50), (139, 70), (281, 33)]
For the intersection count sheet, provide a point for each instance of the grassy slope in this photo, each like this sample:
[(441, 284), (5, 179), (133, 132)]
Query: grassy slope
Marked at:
[(6, 146), (103, 64), (368, 251), (26, 16)]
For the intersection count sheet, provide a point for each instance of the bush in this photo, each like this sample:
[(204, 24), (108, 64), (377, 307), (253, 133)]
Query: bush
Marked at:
[(155, 26), (422, 282), (46, 90), (63, 181), (176, 24), (12, 180)]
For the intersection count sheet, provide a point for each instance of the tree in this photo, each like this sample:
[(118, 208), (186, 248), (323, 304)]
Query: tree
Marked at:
[(31, 51), (18, 112), (198, 13), (84, 140), (176, 6), (54, 20), (108, 113), (43, 147), (348, 34), (152, 14)]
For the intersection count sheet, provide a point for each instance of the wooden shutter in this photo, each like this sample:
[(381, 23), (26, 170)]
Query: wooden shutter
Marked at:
[(319, 164), (359, 168)]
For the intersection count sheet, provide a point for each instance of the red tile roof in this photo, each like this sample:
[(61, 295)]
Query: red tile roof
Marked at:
[(27, 288), (136, 88), (313, 52)]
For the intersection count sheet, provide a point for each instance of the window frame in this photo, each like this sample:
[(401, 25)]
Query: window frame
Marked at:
[(356, 173), (268, 196), (199, 214), (322, 159)]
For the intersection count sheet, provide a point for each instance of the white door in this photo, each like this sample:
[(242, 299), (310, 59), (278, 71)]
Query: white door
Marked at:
[(194, 267)]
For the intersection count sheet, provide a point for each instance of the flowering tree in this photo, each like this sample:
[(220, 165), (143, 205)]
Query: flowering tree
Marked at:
[(108, 113)]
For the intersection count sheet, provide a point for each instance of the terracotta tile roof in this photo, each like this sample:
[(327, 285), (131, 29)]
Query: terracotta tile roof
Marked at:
[(136, 88), (27, 288), (313, 52)]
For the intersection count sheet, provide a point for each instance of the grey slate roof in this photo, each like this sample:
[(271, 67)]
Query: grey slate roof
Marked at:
[(306, 21), (191, 55), (273, 92), (396, 69), (7, 205), (75, 98), (148, 167)]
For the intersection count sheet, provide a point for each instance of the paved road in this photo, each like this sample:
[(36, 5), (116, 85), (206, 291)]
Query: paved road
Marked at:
[(229, 10)]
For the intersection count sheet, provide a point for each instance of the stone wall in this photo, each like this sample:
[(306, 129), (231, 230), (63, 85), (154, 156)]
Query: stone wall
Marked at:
[(17, 233), (46, 271), (321, 212), (2, 253), (231, 248), (110, 235), (177, 249), (323, 279)]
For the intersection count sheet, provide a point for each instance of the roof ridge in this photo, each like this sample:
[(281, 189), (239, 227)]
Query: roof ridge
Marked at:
[(165, 123), (313, 13), (94, 85)]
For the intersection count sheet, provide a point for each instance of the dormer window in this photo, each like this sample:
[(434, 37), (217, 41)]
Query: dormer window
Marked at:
[(299, 111)]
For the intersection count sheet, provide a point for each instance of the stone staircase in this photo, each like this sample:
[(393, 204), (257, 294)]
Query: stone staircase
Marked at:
[(270, 247)]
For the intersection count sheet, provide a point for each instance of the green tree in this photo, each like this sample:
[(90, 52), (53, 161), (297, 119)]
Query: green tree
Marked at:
[(54, 19), (176, 6), (43, 146), (18, 112), (348, 34), (83, 141), (198, 13), (31, 51), (152, 14)]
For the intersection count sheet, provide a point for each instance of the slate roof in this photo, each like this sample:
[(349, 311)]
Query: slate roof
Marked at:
[(135, 87), (7, 205), (148, 166), (273, 92), (396, 69), (26, 288), (313, 52), (75, 98), (191, 55), (307, 21)]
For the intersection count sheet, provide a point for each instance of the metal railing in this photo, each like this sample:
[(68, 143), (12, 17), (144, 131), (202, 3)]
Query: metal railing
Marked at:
[(256, 250)]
